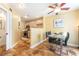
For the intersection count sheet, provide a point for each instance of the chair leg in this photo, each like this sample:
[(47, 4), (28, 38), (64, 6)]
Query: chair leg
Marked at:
[(67, 52)]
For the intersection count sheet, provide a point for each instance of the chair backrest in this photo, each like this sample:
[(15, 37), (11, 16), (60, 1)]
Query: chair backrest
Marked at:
[(67, 38), (48, 33)]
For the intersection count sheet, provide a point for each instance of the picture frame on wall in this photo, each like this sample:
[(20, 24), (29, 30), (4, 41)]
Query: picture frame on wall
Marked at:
[(19, 25), (58, 23)]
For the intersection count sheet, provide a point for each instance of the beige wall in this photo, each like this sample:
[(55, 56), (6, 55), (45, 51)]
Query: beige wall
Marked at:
[(36, 36), (16, 32), (48, 24), (71, 22)]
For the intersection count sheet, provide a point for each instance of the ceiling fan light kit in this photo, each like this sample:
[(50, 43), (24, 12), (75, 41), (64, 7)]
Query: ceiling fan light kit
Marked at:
[(57, 7)]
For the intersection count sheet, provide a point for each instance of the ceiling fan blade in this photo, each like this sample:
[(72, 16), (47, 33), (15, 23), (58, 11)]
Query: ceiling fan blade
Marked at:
[(50, 12), (51, 7), (62, 4), (65, 8)]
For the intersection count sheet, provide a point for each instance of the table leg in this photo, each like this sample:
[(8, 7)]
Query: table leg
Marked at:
[(61, 46)]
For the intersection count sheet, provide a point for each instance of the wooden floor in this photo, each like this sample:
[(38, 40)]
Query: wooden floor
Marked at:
[(2, 49), (23, 49)]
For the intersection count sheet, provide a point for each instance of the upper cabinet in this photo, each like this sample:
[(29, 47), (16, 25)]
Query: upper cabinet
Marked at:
[(38, 23)]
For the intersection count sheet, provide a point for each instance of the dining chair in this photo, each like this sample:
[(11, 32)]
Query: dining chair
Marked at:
[(48, 33), (62, 43), (64, 40)]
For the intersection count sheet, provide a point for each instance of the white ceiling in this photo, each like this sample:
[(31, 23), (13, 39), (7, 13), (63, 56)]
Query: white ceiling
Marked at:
[(30, 9), (33, 10)]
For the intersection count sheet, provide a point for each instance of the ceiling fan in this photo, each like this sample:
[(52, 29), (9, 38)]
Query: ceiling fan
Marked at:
[(57, 7)]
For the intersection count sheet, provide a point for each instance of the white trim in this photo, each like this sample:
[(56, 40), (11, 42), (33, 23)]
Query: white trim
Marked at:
[(37, 44), (73, 45), (9, 31), (15, 44)]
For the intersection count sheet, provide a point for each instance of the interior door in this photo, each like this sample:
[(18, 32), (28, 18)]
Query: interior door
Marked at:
[(5, 30)]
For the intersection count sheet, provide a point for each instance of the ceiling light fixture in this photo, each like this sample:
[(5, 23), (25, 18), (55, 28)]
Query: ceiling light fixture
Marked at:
[(57, 10)]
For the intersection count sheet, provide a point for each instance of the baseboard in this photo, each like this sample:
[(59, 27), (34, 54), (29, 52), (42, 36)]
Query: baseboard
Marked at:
[(15, 44), (73, 45), (37, 44)]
